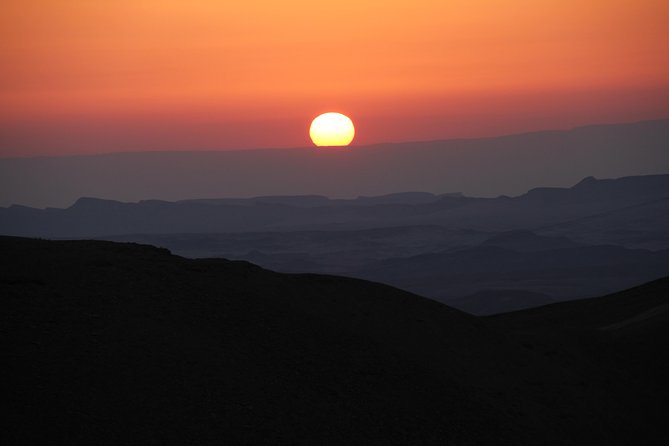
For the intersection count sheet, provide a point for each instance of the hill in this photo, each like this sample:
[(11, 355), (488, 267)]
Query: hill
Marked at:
[(596, 237), (112, 343), (565, 273), (488, 302), (627, 330)]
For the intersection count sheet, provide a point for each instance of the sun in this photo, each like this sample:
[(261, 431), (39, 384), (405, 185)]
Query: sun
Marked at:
[(332, 129)]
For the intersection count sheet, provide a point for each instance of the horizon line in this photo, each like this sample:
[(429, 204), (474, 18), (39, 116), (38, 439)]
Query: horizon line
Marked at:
[(386, 143)]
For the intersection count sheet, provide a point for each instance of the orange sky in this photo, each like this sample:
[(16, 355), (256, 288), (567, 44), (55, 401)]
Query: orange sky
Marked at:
[(99, 76)]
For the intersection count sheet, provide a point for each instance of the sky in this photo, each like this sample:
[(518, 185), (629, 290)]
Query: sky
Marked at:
[(83, 77)]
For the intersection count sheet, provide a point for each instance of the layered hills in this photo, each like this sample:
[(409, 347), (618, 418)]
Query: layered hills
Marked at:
[(551, 210), (506, 253)]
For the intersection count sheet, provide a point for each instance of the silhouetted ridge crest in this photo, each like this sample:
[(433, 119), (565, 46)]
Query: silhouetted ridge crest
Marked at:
[(585, 182), (91, 203)]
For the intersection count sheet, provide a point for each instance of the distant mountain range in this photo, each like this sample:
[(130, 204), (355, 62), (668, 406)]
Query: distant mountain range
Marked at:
[(485, 167), (115, 343), (482, 255), (544, 209)]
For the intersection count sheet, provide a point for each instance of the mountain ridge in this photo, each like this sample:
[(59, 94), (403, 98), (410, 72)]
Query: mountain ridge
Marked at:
[(441, 246), (502, 213)]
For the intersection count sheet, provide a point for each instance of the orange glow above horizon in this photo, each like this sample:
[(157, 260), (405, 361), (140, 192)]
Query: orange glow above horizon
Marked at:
[(206, 63)]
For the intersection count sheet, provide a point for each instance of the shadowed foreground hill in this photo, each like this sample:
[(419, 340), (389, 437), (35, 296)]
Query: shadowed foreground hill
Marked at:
[(637, 320), (109, 343)]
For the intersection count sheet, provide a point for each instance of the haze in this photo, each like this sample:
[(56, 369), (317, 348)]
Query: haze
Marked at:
[(477, 167)]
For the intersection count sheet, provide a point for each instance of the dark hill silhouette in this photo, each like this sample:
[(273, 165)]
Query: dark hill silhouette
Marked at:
[(111, 343), (487, 302), (565, 243), (602, 313), (628, 330)]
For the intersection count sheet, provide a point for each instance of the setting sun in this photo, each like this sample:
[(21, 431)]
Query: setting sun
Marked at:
[(332, 129)]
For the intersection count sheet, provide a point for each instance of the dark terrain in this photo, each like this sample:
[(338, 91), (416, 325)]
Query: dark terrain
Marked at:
[(549, 244), (118, 343)]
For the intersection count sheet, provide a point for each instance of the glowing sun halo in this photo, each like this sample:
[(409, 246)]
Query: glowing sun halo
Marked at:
[(332, 129)]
